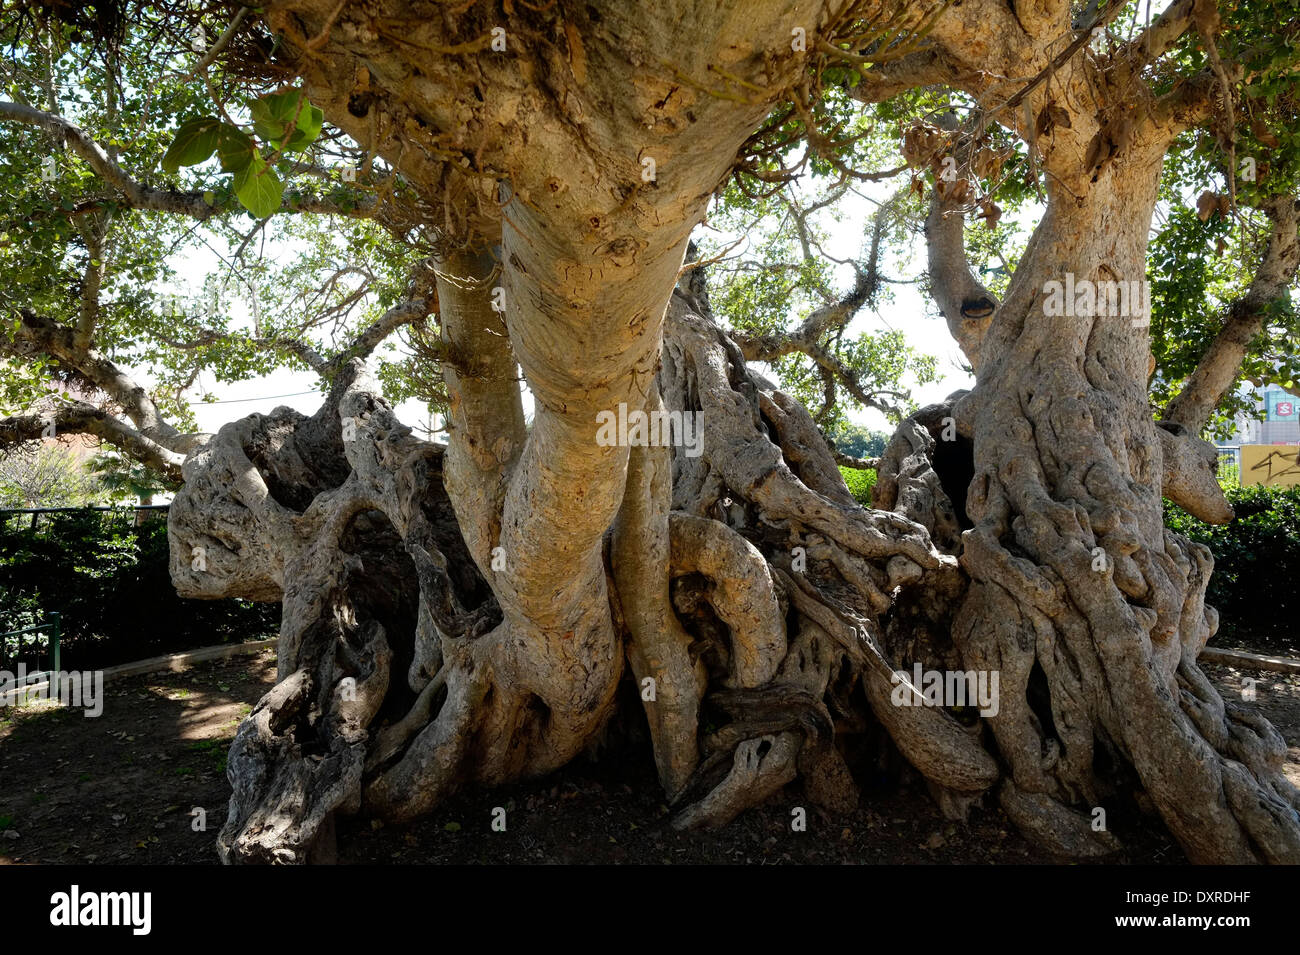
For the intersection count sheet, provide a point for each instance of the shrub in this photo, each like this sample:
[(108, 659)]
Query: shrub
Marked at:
[(1256, 560), (860, 484), (859, 441), (111, 583)]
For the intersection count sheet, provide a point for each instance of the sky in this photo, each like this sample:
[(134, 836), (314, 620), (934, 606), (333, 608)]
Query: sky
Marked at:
[(911, 311), (296, 389)]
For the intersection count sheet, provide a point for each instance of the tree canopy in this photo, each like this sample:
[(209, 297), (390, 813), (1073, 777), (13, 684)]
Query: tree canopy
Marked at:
[(137, 133), (1099, 201)]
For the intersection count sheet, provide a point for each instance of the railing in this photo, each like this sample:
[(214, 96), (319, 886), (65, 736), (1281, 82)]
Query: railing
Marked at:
[(54, 627), (139, 510), (1229, 464)]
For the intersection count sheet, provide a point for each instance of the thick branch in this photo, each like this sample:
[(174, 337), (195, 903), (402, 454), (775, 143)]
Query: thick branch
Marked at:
[(370, 337), (1189, 477), (1190, 103), (486, 418), (81, 418), (94, 235), (1159, 38), (38, 333), (1219, 367), (966, 304), (858, 464)]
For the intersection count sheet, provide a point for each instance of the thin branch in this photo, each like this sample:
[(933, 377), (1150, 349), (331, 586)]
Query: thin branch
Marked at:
[(140, 196), (222, 41)]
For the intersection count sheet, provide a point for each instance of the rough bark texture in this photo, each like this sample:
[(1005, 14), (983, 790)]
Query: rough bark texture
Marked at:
[(401, 679), (748, 585), (1092, 611), (462, 615)]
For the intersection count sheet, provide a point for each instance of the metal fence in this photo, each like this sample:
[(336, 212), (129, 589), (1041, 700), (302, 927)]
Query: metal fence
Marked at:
[(42, 642), (1229, 464), (13, 518), (12, 643)]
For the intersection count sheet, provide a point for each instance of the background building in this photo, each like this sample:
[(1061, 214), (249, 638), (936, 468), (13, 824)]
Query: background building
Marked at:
[(1278, 420)]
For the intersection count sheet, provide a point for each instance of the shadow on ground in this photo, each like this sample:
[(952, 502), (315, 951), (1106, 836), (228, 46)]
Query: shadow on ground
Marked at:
[(123, 787)]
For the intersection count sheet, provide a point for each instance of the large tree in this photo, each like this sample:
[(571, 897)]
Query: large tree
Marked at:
[(466, 613)]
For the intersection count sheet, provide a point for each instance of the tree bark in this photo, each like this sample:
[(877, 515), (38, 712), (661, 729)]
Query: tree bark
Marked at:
[(1092, 611), (462, 616)]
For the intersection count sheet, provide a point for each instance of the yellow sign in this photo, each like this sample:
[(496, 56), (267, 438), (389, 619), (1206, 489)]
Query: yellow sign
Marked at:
[(1272, 465)]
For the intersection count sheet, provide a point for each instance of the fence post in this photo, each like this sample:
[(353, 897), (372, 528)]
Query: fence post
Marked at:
[(56, 624)]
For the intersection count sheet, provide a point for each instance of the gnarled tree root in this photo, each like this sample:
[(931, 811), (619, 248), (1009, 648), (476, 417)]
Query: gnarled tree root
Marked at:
[(747, 591)]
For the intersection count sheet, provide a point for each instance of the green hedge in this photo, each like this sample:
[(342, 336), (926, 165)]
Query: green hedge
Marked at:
[(1256, 582), (110, 581), (860, 484)]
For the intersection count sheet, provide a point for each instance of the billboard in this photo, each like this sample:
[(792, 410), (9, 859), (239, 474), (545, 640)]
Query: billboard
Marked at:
[(1271, 465), (1281, 406)]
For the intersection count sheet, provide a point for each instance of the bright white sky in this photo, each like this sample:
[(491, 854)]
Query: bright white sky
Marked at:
[(909, 313), (296, 389)]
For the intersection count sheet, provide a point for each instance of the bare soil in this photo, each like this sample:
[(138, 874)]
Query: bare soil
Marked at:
[(124, 787)]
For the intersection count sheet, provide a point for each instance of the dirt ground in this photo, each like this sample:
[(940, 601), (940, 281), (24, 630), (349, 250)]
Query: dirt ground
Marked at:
[(124, 788)]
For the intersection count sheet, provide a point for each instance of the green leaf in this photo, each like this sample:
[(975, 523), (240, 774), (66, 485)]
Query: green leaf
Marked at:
[(273, 114), (194, 143), (282, 106), (258, 187), (265, 124), (286, 120), (209, 197), (308, 129), (234, 148)]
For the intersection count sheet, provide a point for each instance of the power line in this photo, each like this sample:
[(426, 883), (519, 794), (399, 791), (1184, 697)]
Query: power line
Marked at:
[(240, 401)]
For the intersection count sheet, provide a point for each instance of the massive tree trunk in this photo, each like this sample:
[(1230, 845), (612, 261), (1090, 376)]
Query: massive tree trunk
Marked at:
[(747, 583), (462, 615), (1089, 608), (404, 676)]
